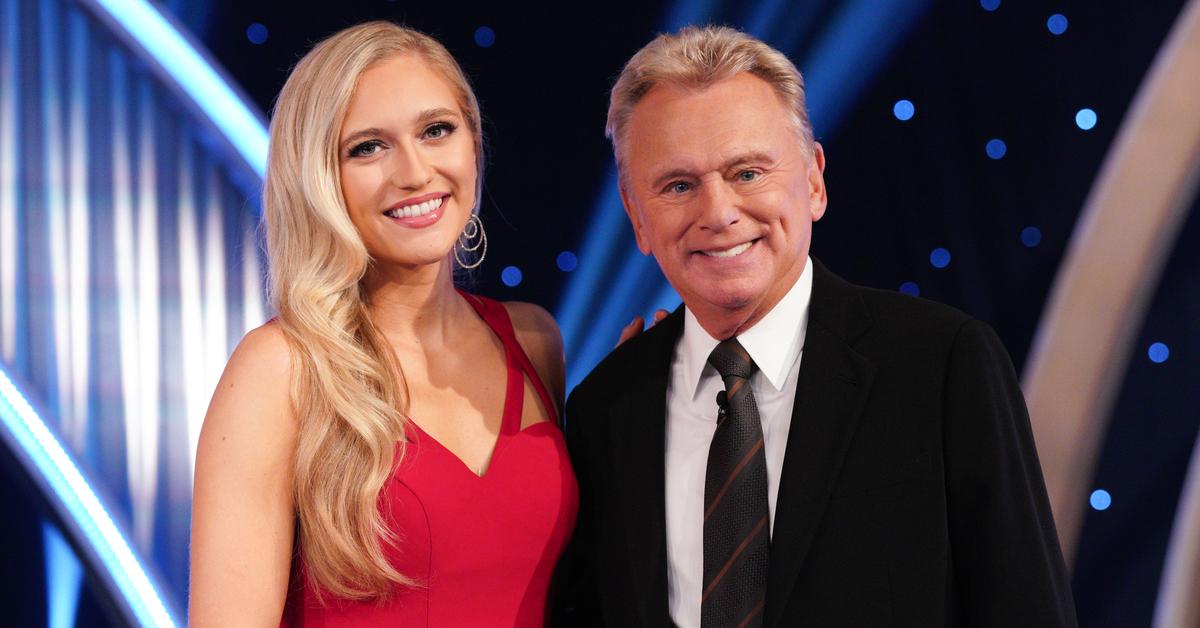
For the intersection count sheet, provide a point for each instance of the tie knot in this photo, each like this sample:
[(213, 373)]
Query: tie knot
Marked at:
[(731, 359)]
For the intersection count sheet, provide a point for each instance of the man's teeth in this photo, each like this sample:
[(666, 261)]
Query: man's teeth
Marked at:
[(420, 209), (737, 250)]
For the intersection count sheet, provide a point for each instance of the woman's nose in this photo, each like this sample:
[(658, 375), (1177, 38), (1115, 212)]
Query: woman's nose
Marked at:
[(411, 168)]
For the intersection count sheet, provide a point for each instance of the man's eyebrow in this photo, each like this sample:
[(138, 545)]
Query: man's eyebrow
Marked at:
[(736, 160), (423, 118)]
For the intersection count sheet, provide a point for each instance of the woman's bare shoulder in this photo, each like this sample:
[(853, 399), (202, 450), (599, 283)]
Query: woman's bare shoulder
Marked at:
[(254, 391), (538, 333)]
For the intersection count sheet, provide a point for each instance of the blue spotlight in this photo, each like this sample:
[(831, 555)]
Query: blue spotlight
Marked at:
[(910, 288), (485, 37), (511, 276), (1100, 499), (567, 261), (1085, 119), (989, 5), (257, 33), (1031, 236), (939, 257), (1159, 352), (904, 110), (996, 148), (1057, 23)]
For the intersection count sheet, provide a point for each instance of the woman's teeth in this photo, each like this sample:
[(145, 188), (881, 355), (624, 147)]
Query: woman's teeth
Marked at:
[(412, 211), (737, 250)]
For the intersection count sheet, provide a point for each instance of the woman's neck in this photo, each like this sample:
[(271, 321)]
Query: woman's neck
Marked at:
[(413, 306)]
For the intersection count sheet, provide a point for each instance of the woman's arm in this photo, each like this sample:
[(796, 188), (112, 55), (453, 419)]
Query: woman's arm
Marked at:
[(242, 507)]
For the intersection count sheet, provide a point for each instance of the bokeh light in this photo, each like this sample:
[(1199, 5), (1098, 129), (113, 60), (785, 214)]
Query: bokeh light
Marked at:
[(257, 34), (1085, 119), (1158, 352), (567, 261), (1100, 499), (903, 110), (910, 288), (485, 37), (1057, 23), (939, 257), (996, 148), (1031, 236), (511, 276)]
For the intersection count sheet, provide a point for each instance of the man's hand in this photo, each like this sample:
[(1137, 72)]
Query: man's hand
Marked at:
[(635, 326)]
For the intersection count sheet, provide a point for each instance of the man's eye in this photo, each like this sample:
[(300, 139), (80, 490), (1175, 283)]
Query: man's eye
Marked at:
[(747, 175), (679, 187), (439, 130), (366, 149)]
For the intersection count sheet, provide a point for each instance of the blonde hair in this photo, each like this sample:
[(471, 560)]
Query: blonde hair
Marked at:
[(696, 58), (347, 387)]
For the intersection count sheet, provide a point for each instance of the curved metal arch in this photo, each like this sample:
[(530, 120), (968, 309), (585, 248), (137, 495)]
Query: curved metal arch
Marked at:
[(1104, 285), (80, 508), (183, 65)]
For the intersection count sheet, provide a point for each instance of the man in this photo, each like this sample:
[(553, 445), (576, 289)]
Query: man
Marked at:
[(787, 449)]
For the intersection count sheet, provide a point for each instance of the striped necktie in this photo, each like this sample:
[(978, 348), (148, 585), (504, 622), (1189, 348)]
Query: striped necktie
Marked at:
[(736, 517)]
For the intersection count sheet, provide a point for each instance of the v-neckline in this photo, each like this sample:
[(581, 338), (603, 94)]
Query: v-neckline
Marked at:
[(513, 377)]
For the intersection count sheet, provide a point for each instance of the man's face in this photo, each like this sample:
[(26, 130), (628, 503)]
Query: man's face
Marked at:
[(720, 189)]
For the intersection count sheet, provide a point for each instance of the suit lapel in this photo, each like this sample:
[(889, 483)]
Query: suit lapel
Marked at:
[(832, 388), (641, 415)]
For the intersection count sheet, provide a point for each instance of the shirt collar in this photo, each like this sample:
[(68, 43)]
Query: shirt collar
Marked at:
[(774, 343)]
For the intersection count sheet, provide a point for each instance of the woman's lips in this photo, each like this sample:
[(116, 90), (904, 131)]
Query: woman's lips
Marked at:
[(419, 215)]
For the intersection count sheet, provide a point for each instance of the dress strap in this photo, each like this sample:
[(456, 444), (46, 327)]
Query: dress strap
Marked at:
[(496, 316)]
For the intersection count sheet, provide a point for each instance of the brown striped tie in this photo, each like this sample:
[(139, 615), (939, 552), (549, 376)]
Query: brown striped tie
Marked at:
[(736, 517)]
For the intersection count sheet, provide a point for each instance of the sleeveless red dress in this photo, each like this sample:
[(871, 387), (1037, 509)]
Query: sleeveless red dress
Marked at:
[(482, 548)]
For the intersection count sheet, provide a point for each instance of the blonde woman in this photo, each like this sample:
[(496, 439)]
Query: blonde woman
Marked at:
[(385, 451)]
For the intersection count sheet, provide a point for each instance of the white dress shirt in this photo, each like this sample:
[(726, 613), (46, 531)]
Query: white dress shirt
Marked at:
[(775, 344)]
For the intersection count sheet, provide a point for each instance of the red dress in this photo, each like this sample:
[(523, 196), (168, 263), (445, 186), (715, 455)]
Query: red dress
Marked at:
[(482, 547)]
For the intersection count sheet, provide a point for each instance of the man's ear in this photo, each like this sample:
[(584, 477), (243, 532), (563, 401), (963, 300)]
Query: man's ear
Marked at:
[(635, 217), (817, 198)]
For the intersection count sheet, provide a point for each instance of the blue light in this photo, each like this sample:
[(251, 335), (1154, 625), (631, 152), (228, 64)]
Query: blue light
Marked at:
[(1031, 236), (910, 288), (904, 110), (939, 257), (567, 261), (256, 33), (64, 575), (69, 492), (989, 5), (996, 148), (1085, 119), (1057, 23), (485, 37), (1100, 499), (194, 76), (1159, 353), (511, 276)]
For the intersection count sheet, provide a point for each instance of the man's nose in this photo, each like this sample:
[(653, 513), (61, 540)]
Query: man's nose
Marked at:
[(411, 169), (718, 205)]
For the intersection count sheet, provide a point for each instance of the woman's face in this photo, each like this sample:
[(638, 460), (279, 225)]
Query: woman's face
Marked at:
[(407, 163)]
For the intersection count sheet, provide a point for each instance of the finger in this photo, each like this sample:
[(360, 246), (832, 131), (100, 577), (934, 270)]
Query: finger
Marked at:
[(660, 314), (632, 329)]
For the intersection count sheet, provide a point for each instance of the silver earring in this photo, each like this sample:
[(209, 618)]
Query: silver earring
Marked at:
[(472, 239)]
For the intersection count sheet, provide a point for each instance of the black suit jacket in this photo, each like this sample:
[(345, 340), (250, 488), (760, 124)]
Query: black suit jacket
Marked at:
[(910, 493)]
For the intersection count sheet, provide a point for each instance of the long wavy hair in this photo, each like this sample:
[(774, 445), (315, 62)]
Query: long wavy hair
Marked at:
[(347, 388)]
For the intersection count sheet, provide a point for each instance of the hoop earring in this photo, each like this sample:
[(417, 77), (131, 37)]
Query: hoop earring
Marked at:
[(473, 238)]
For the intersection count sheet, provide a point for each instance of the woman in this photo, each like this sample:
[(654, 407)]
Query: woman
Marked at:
[(384, 452)]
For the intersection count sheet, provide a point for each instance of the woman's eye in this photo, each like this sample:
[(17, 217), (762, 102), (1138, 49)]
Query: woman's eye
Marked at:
[(439, 130), (747, 175), (366, 149)]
